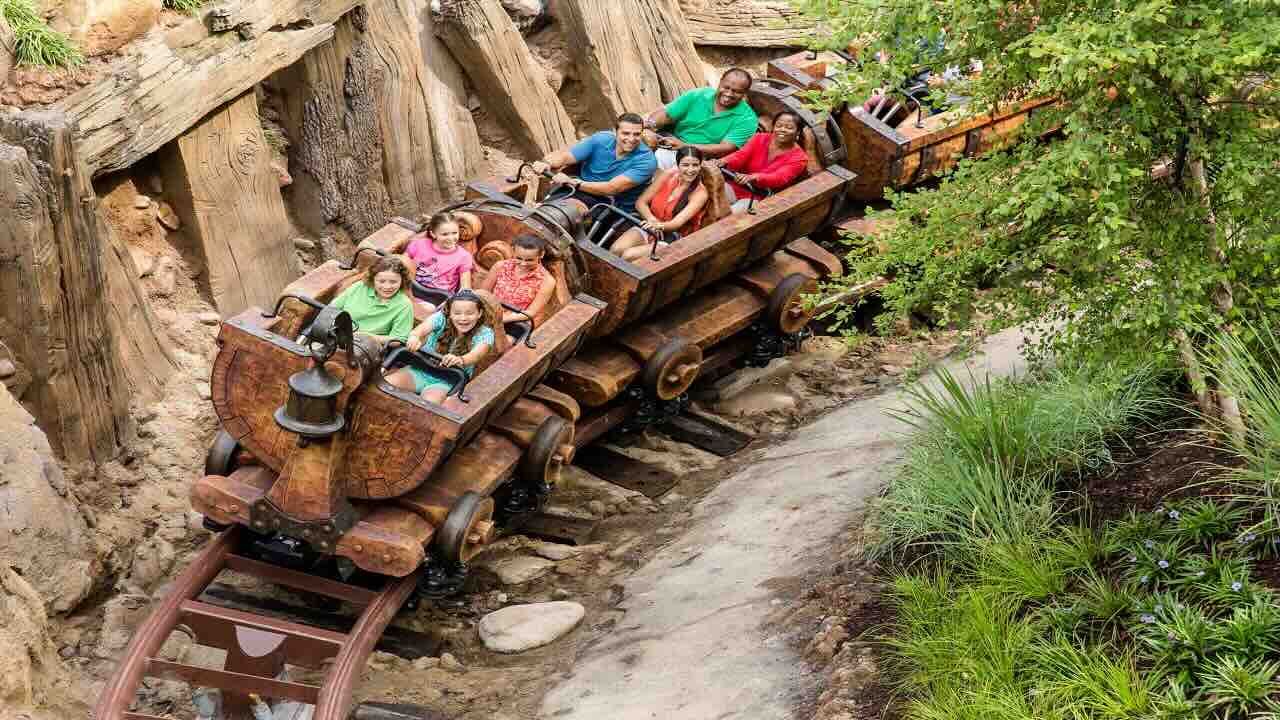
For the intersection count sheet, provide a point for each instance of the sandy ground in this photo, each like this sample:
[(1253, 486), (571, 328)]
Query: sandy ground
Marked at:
[(690, 644)]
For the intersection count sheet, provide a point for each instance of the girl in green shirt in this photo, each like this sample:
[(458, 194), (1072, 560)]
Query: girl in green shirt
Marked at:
[(379, 305)]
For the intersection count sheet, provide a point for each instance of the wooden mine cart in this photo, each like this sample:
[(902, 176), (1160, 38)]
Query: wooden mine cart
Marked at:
[(384, 479)]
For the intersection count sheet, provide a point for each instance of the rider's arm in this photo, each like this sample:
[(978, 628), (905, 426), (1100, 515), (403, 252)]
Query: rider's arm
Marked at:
[(696, 201)]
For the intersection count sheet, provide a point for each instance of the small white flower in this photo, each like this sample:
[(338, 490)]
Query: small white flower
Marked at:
[(1143, 579), (1174, 514), (1236, 586), (1200, 574), (1150, 544), (1147, 619), (1163, 564), (1133, 558)]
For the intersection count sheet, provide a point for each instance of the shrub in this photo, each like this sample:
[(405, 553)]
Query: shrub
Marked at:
[(185, 6), (35, 42), (984, 460)]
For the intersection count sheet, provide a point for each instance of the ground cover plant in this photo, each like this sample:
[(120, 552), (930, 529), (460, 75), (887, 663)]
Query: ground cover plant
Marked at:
[(35, 43), (1010, 604)]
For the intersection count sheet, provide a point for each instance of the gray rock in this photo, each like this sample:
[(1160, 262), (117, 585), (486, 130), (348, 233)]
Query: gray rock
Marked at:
[(143, 261), (528, 15), (524, 627), (760, 399), (203, 391), (7, 368), (734, 384), (209, 318), (142, 202), (521, 569), (165, 278), (304, 244), (555, 551), (449, 662)]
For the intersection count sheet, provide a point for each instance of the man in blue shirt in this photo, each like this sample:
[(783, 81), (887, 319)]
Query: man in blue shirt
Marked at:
[(611, 164)]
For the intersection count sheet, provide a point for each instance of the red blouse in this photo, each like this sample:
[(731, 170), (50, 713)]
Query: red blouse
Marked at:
[(753, 158)]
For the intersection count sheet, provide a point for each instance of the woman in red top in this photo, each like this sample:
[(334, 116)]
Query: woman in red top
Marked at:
[(769, 161), (675, 200)]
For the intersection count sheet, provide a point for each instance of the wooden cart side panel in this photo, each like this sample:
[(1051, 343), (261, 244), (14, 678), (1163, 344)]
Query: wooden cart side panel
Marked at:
[(250, 379), (871, 148), (614, 281), (394, 442)]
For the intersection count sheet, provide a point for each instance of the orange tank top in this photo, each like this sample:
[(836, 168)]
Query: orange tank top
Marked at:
[(518, 290), (663, 205)]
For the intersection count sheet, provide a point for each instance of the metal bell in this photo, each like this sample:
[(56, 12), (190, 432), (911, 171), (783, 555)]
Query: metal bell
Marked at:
[(312, 408)]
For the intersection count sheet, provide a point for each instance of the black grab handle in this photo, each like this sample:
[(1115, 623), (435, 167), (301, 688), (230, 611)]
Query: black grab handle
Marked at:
[(430, 361)]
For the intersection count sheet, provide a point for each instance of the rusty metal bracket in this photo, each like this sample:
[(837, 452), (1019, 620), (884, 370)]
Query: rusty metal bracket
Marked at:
[(321, 535)]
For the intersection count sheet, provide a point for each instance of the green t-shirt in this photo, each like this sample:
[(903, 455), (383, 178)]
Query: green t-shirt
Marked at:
[(698, 122), (375, 316)]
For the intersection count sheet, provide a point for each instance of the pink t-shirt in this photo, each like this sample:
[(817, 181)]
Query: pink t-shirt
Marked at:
[(442, 271)]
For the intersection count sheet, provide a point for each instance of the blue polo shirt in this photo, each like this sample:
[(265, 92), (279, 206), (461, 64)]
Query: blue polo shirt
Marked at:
[(598, 162)]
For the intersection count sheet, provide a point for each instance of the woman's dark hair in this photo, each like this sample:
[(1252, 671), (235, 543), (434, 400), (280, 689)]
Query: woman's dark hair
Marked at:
[(530, 242), (794, 116), (684, 152), (388, 263)]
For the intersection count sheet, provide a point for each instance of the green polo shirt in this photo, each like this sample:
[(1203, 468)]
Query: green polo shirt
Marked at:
[(375, 316), (698, 122)]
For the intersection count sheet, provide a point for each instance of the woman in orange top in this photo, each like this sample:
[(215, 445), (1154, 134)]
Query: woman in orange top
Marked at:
[(675, 200)]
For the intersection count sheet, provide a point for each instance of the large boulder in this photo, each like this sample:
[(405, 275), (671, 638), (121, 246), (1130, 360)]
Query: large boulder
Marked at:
[(42, 535), (523, 627)]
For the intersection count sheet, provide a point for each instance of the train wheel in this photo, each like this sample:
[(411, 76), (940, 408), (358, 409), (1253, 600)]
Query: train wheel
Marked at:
[(786, 309), (221, 458), (547, 452), (672, 369), (466, 529)]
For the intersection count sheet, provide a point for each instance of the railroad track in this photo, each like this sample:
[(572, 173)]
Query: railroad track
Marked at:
[(258, 647)]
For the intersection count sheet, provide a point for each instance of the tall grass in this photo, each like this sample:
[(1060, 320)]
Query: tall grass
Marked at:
[(35, 42), (985, 461)]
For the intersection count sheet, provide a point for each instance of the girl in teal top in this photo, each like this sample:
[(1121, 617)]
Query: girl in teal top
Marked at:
[(379, 305), (464, 339)]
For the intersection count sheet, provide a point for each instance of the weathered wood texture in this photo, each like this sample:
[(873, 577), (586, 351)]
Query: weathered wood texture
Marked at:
[(487, 44), (145, 98), (746, 23), (631, 55), (455, 142), (234, 220), (70, 307), (330, 115)]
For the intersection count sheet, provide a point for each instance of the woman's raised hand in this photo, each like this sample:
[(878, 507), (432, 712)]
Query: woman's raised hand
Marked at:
[(450, 361)]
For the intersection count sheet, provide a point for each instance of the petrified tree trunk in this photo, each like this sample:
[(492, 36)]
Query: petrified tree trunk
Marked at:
[(65, 282), (455, 143), (228, 197), (487, 44), (173, 78), (632, 55), (746, 23), (378, 122), (330, 114)]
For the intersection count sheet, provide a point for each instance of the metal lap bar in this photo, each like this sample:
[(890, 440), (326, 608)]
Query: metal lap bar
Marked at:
[(216, 626), (300, 581), (238, 682)]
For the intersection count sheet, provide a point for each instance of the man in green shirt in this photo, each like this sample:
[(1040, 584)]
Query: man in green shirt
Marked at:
[(716, 120)]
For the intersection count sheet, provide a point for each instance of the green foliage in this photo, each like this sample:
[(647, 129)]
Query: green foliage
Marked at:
[(185, 6), (35, 42), (985, 459), (1073, 234), (1236, 687)]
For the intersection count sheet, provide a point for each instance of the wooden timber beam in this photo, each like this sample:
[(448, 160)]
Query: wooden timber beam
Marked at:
[(144, 99), (746, 23), (487, 44), (70, 307), (632, 55)]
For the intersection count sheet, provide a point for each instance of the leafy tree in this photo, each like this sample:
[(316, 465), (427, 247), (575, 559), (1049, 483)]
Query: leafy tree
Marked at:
[(1149, 220)]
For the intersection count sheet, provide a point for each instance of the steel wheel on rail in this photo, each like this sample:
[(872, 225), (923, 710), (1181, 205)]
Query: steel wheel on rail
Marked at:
[(466, 530), (221, 458), (549, 450), (786, 310), (672, 368)]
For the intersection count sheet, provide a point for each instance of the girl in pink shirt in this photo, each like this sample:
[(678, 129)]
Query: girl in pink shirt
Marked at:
[(440, 262)]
